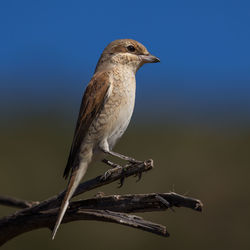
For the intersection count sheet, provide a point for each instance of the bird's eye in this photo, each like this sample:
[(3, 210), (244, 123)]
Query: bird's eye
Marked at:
[(131, 48)]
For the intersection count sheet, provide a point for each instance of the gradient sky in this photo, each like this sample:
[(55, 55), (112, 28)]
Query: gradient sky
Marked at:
[(51, 47)]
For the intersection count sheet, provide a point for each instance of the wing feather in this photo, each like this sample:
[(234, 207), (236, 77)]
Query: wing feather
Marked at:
[(93, 100)]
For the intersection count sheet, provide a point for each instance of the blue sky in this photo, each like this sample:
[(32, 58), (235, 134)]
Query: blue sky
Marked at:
[(51, 47)]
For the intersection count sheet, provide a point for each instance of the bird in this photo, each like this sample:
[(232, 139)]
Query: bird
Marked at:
[(105, 112)]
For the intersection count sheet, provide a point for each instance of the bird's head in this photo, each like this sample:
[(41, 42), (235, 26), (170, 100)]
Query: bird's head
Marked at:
[(127, 52)]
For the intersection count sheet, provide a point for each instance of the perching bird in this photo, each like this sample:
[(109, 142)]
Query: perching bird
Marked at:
[(106, 110)]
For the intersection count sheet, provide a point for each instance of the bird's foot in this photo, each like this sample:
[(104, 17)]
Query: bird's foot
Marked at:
[(109, 172)]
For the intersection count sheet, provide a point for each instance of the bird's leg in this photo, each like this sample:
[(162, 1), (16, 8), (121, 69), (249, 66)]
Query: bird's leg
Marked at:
[(109, 163), (123, 157)]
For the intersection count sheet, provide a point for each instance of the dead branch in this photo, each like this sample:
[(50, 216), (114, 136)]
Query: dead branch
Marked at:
[(14, 202), (120, 173), (112, 208)]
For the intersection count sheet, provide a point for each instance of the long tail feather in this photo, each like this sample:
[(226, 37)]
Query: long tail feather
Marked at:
[(75, 179)]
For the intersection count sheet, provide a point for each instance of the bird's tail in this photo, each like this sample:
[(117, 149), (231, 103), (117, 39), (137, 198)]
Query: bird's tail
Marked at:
[(74, 181)]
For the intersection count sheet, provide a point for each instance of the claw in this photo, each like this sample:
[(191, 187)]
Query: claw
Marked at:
[(139, 177), (106, 175), (109, 172), (121, 181), (139, 174)]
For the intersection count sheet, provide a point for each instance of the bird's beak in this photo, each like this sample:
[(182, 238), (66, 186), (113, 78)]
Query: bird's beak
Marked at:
[(149, 58)]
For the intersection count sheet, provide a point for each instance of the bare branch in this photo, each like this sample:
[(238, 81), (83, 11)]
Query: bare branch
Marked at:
[(119, 174), (102, 208), (14, 202), (13, 226), (134, 203), (107, 208)]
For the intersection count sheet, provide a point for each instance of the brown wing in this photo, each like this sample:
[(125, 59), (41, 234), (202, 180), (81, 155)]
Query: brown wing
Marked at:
[(93, 100)]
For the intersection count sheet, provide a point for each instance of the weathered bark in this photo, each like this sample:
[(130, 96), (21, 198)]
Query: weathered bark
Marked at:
[(112, 208)]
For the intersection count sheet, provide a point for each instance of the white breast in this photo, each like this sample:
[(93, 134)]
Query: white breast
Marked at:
[(127, 95)]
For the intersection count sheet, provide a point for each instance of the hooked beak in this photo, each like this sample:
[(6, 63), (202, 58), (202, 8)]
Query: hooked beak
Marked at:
[(149, 58)]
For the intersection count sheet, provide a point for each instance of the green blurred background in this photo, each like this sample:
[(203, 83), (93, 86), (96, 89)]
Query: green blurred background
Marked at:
[(192, 114), (202, 162)]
